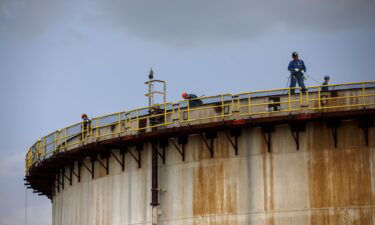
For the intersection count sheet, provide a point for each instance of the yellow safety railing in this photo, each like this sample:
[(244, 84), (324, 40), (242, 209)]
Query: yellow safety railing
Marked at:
[(211, 108), (269, 101), (150, 117), (333, 98)]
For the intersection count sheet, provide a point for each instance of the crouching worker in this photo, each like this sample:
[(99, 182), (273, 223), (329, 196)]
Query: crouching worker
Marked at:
[(193, 99), (86, 125)]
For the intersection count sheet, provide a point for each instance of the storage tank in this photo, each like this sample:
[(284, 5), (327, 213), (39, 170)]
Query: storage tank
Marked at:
[(260, 158)]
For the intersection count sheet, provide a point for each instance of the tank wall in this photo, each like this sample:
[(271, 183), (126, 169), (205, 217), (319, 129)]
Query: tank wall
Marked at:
[(318, 184)]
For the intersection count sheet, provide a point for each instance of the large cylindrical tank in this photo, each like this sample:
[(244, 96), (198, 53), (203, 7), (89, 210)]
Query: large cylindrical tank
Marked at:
[(317, 184), (262, 160)]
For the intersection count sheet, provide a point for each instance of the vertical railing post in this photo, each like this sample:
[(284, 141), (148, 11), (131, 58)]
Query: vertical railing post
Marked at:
[(66, 139), (128, 122), (238, 105), (173, 113), (319, 99), (56, 141), (82, 131), (148, 118), (37, 151), (58, 138), (165, 113), (119, 122), (137, 120), (232, 104), (363, 93), (179, 111), (307, 98), (300, 98), (289, 103), (97, 126), (249, 102), (90, 128), (222, 106), (188, 109), (45, 147)]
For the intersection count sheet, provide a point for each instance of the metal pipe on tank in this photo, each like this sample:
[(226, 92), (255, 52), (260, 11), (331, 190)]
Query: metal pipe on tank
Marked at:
[(154, 188), (154, 167)]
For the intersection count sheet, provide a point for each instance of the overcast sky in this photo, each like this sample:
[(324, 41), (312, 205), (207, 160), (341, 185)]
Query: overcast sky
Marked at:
[(59, 59)]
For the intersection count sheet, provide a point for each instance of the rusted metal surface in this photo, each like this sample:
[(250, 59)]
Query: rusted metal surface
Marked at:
[(318, 184), (305, 168), (57, 161)]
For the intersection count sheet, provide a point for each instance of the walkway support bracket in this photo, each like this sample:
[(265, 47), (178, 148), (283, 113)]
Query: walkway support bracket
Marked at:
[(235, 132), (296, 128), (58, 182), (163, 143), (365, 123), (74, 173), (65, 176), (88, 169), (106, 157), (209, 136), (182, 140), (138, 159), (62, 178), (266, 131), (122, 161), (333, 124)]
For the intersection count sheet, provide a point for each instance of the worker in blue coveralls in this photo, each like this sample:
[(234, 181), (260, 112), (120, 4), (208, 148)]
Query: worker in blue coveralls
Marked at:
[(86, 125), (325, 83), (86, 121), (193, 99), (297, 68)]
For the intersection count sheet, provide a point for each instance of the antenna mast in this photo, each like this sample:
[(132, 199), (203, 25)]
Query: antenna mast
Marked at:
[(151, 92)]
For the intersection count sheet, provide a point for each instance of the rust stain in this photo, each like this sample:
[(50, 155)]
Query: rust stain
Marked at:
[(268, 185), (222, 147), (339, 177), (271, 219), (212, 194), (264, 171), (319, 137), (214, 185), (326, 218), (272, 204), (365, 217), (102, 172)]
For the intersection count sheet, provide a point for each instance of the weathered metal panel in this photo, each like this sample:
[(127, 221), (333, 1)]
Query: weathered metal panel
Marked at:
[(318, 184)]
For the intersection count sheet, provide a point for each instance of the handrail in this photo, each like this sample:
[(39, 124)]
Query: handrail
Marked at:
[(218, 107)]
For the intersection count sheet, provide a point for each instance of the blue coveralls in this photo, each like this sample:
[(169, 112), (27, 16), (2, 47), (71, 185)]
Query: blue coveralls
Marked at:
[(86, 123), (324, 86), (297, 76), (193, 101)]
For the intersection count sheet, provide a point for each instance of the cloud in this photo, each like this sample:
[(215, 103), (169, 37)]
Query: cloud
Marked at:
[(193, 22), (24, 18), (184, 23)]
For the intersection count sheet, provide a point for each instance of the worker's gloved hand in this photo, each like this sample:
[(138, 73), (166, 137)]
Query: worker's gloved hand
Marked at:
[(296, 69)]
